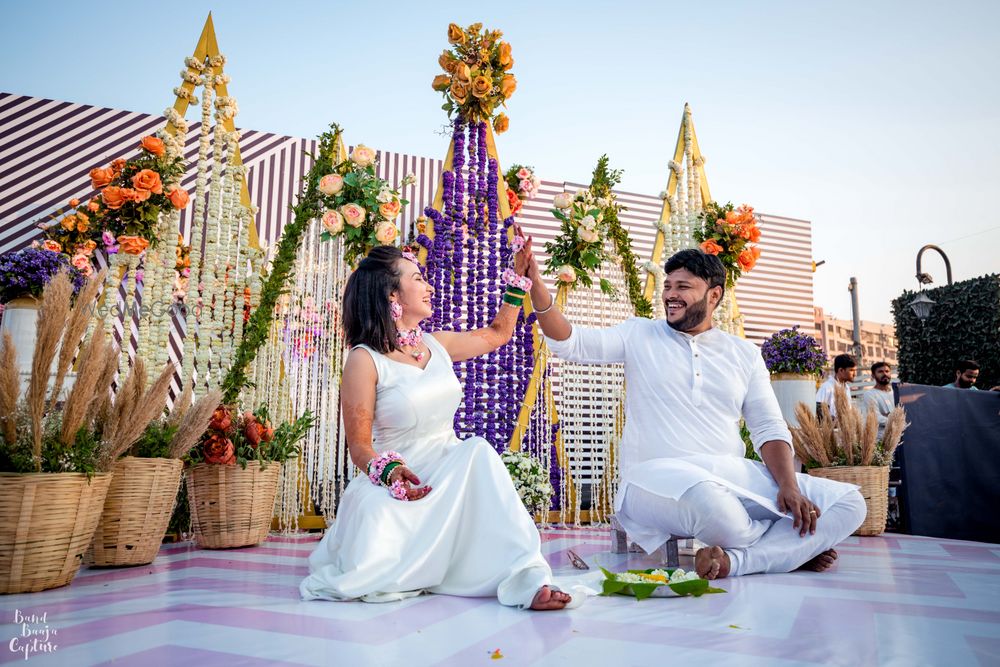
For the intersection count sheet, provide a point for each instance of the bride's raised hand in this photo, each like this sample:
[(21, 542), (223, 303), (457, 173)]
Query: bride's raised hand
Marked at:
[(524, 256), (410, 482)]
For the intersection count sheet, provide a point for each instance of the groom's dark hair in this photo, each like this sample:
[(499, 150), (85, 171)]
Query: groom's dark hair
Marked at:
[(707, 267), (367, 317)]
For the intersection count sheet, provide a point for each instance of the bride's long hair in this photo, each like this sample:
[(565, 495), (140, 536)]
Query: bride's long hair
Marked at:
[(367, 318)]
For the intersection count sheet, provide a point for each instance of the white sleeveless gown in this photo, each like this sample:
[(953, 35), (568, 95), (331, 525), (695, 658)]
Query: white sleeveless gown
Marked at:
[(470, 536)]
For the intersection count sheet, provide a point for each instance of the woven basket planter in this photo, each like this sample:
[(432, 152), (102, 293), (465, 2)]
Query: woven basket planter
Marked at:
[(230, 506), (874, 483), (137, 510), (46, 523)]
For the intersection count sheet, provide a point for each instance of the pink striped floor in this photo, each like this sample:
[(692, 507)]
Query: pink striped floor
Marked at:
[(890, 600)]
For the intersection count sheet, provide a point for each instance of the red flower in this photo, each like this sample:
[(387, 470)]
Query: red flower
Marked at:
[(218, 449), (221, 419), (514, 201)]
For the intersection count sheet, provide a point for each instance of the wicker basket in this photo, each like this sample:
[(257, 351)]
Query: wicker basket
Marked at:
[(874, 483), (230, 506), (46, 523), (137, 510)]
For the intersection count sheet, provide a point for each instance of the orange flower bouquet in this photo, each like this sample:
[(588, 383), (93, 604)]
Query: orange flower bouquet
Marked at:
[(477, 78), (131, 194), (732, 234)]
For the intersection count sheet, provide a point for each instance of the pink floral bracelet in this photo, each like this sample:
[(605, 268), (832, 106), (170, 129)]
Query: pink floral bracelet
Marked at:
[(510, 277), (377, 466)]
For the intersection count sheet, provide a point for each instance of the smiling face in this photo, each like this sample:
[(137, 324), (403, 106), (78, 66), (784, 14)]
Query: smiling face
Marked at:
[(689, 301), (414, 294)]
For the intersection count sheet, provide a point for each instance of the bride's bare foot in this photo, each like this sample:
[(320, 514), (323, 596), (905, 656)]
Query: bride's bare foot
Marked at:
[(821, 562), (711, 563), (547, 599)]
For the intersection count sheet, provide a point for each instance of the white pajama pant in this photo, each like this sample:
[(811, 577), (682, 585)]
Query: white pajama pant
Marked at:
[(754, 540)]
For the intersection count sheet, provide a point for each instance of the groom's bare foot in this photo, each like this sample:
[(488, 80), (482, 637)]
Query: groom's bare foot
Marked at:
[(547, 599), (712, 563), (821, 562)]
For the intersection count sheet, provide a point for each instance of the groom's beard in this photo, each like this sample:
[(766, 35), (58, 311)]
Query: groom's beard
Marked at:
[(694, 315)]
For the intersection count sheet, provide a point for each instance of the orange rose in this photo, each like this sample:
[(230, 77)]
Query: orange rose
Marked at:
[(455, 34), (754, 235), (88, 247), (463, 74), (447, 61), (178, 197), (501, 123), (82, 222), (218, 449), (68, 223), (481, 86), (153, 145), (508, 85), (441, 82), (74, 202), (100, 177), (459, 91), (711, 247), (131, 194), (113, 196), (746, 260), (390, 209), (132, 245), (93, 206), (118, 164), (505, 58), (49, 244), (147, 179)]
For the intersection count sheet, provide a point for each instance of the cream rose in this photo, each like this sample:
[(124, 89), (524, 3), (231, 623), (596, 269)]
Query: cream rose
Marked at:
[(333, 222), (386, 233), (566, 274), (363, 156), (588, 235), (390, 209), (353, 214), (331, 184), (588, 222), (563, 200)]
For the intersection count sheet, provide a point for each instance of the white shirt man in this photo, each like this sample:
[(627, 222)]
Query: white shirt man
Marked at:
[(683, 470), (844, 371), (879, 397)]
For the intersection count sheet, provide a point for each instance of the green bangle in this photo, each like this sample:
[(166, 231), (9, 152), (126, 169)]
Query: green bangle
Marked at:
[(387, 470), (513, 300), (516, 291)]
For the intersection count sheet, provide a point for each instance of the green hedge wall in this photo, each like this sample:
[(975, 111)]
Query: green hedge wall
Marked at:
[(964, 324)]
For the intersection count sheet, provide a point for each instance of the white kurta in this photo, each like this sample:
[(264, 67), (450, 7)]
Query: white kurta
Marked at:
[(685, 396)]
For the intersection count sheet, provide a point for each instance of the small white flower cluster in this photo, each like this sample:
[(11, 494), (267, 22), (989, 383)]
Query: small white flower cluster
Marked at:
[(226, 107), (194, 63), (678, 576), (185, 94), (409, 179), (530, 478), (192, 78)]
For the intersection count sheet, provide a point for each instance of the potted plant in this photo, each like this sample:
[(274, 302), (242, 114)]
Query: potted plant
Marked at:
[(23, 276), (234, 474), (794, 360), (847, 449), (147, 478), (56, 456)]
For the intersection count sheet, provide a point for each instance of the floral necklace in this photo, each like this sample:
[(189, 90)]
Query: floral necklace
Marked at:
[(411, 338)]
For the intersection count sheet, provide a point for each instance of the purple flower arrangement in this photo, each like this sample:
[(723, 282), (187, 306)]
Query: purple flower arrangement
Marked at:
[(464, 262), (26, 272), (790, 351)]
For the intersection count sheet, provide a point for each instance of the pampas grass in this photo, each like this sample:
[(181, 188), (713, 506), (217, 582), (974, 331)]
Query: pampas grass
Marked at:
[(145, 407), (10, 389), (848, 440), (194, 423), (181, 405), (52, 316), (88, 386), (76, 327)]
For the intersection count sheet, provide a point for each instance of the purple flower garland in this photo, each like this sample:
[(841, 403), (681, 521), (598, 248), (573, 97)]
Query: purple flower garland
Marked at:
[(464, 261)]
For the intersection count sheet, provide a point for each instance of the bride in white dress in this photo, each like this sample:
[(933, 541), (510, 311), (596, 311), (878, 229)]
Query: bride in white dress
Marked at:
[(464, 531)]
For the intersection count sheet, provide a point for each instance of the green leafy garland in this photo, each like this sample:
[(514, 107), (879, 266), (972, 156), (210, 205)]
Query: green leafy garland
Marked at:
[(602, 182), (257, 328)]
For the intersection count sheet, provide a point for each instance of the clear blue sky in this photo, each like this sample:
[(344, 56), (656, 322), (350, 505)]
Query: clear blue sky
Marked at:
[(877, 121)]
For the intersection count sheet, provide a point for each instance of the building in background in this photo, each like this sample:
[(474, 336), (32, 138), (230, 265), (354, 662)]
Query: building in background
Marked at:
[(878, 341)]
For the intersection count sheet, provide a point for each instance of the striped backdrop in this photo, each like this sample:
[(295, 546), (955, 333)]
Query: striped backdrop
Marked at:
[(47, 148)]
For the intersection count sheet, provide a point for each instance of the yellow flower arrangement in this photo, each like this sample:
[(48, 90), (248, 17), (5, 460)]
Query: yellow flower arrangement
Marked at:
[(477, 78)]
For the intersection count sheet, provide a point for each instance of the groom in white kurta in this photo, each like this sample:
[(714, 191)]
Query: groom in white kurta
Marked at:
[(683, 470)]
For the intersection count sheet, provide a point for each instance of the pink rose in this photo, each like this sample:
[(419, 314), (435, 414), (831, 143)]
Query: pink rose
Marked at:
[(526, 185), (82, 263), (333, 222), (363, 156), (523, 173), (331, 184), (566, 274), (386, 233), (353, 214)]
